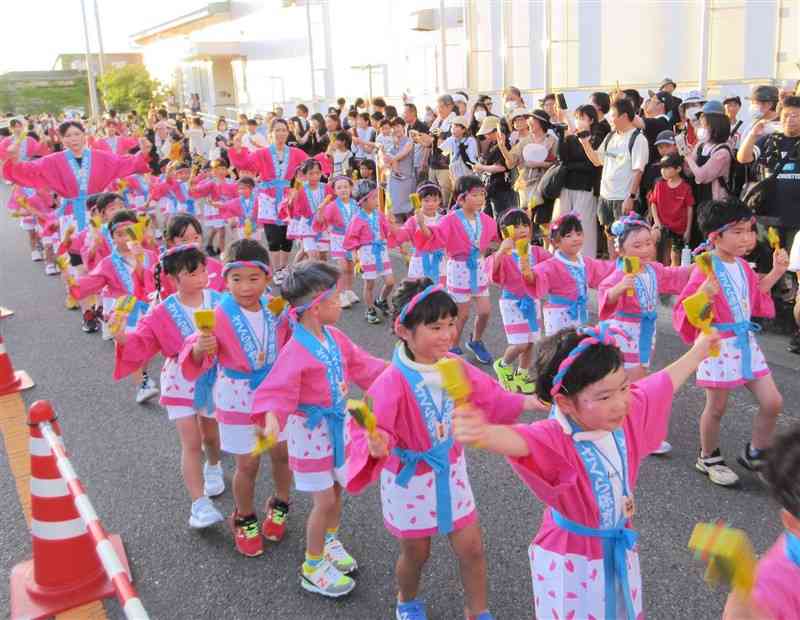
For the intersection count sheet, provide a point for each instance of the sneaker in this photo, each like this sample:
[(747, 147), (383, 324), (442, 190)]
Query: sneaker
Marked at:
[(456, 351), (410, 610), (751, 459), (383, 306), (213, 480), (36, 256), (51, 269), (664, 448), (90, 323), (717, 471), (523, 382), (344, 300), (274, 525), (204, 514), (105, 331), (794, 344), (326, 580), (371, 315), (505, 374), (337, 555), (279, 276), (351, 295), (146, 391), (245, 535), (477, 348)]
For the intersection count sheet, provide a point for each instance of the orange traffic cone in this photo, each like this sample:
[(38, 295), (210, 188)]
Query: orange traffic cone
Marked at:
[(65, 571), (11, 381)]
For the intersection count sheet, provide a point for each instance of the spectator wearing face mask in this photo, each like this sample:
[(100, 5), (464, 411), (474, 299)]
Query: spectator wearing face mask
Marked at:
[(710, 160), (655, 119), (690, 116), (764, 107)]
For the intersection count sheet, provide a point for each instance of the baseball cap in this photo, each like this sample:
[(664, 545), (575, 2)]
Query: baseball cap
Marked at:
[(460, 120), (713, 107), (666, 81), (663, 96), (665, 137), (489, 124), (764, 93), (732, 99), (673, 160), (693, 96)]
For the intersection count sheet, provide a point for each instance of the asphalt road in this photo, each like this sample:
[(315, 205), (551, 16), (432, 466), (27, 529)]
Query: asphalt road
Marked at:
[(128, 457)]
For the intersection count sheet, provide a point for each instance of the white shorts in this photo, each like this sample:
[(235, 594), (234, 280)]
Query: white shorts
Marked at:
[(630, 346), (516, 326), (310, 482), (176, 412), (369, 264), (337, 247), (237, 438), (27, 223), (458, 284), (557, 318), (312, 244)]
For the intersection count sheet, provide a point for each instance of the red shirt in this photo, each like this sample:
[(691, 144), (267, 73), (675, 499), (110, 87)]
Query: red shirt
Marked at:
[(672, 204)]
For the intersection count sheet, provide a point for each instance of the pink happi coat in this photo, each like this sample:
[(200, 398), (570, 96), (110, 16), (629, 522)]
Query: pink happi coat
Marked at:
[(33, 147), (229, 355), (215, 190), (260, 161), (94, 247), (449, 234), (567, 568), (553, 277), (360, 234), (399, 416), (119, 145), (215, 280), (508, 275), (296, 378), (104, 278), (332, 219), (669, 280)]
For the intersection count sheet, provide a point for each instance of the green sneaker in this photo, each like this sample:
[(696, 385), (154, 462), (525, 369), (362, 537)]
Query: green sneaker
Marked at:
[(523, 382), (326, 580), (337, 555), (505, 374)]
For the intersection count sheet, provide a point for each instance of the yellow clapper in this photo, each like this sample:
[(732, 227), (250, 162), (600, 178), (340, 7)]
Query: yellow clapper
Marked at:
[(63, 264), (205, 320), (774, 238), (705, 263), (248, 228), (96, 222), (508, 232), (276, 305), (631, 265), (122, 309), (700, 313), (363, 415), (728, 554), (454, 380), (415, 201), (264, 442)]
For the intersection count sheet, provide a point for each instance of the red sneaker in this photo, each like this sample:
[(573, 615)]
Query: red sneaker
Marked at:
[(246, 536), (274, 525)]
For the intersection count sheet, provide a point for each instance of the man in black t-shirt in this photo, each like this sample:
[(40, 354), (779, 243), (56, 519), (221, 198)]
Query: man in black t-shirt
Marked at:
[(655, 119)]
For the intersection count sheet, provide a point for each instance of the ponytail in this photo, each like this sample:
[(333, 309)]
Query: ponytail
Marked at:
[(157, 276)]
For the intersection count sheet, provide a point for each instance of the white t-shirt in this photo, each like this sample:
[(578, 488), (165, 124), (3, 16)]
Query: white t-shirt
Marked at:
[(254, 141), (256, 320), (450, 147), (740, 285), (614, 469), (619, 163)]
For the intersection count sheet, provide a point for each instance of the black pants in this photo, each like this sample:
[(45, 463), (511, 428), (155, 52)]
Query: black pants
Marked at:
[(276, 238)]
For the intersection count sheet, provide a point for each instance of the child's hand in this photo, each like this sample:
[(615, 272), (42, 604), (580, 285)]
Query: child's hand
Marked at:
[(469, 425), (780, 261), (532, 403), (378, 443), (705, 343), (206, 345), (710, 287), (272, 428), (628, 282), (506, 247)]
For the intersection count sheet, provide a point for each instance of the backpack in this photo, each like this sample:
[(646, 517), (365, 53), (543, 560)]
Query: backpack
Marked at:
[(631, 141), (738, 174)]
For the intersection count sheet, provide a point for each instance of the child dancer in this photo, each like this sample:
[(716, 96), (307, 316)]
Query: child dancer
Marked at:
[(736, 294), (583, 463), (775, 594), (242, 211), (368, 234), (120, 274), (306, 389), (184, 229), (425, 261), (188, 403), (303, 205), (466, 234), (519, 310), (334, 218), (175, 189), (565, 281), (215, 188), (245, 341), (425, 489)]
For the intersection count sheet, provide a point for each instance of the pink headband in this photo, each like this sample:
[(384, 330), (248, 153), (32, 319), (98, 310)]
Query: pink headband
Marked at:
[(176, 249), (559, 221), (708, 244), (433, 288), (296, 312), (238, 264), (602, 334), (364, 199)]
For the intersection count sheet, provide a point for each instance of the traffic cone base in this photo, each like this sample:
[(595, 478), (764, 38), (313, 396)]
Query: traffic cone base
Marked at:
[(30, 600), (22, 381)]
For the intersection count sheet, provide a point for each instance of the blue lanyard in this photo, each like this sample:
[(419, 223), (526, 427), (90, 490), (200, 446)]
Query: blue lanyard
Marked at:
[(247, 208), (81, 175), (248, 340), (314, 197), (122, 270), (646, 286), (346, 211), (793, 548)]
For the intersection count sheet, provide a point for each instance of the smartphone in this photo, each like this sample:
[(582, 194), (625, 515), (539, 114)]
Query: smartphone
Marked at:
[(583, 134), (562, 101)]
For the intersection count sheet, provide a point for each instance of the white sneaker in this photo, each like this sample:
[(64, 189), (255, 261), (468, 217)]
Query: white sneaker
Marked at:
[(337, 555), (105, 331), (147, 391), (344, 300), (664, 448), (51, 269), (351, 295), (36, 256), (214, 481), (326, 580), (716, 470), (204, 513)]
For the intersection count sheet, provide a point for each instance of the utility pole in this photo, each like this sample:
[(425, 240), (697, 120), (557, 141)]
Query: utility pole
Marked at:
[(100, 59), (89, 71)]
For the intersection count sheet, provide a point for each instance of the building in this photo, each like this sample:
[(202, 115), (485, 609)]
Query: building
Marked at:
[(77, 62), (252, 55), (23, 92)]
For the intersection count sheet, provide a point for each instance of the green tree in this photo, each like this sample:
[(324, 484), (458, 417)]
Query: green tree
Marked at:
[(131, 88)]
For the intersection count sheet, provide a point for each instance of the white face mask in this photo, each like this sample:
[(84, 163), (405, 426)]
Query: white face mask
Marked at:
[(756, 112), (510, 105), (702, 133), (480, 115), (582, 124)]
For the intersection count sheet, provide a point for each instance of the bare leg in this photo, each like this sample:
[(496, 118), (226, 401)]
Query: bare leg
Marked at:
[(710, 420), (191, 455), (512, 354), (461, 321), (770, 405), (325, 510), (388, 285), (369, 292), (244, 483), (209, 431), (468, 547), (483, 307), (414, 552), (281, 474)]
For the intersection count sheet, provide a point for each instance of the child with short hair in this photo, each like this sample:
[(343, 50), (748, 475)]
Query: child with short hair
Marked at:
[(426, 260), (340, 154), (369, 236), (583, 463), (461, 148), (736, 295), (775, 595), (245, 342), (242, 211), (519, 310), (302, 205), (306, 389), (425, 488), (366, 179), (671, 205)]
